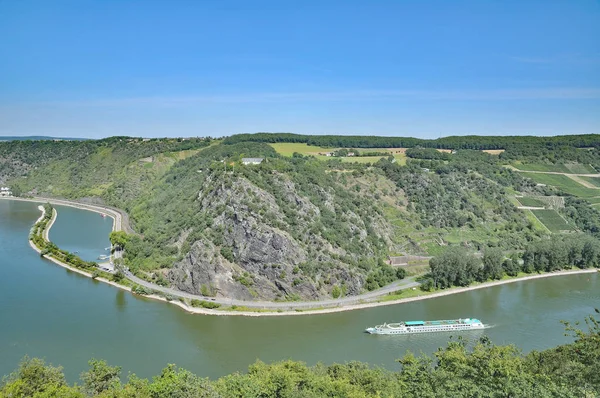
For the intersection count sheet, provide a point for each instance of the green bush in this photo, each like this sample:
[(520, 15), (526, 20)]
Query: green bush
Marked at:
[(137, 289), (336, 292), (205, 304)]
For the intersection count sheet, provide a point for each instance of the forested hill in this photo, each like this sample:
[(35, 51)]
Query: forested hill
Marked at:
[(79, 168), (304, 226), (454, 142), (39, 138)]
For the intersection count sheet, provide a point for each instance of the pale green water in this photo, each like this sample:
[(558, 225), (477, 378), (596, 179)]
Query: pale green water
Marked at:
[(48, 312)]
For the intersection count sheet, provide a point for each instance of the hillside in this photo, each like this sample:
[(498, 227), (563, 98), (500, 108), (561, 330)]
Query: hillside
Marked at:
[(299, 226), (76, 169)]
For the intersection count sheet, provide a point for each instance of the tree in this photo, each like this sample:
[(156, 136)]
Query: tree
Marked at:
[(119, 238), (33, 377), (492, 263), (454, 267), (180, 383), (101, 377), (511, 266)]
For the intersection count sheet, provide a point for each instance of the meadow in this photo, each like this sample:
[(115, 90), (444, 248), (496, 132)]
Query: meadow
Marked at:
[(289, 148)]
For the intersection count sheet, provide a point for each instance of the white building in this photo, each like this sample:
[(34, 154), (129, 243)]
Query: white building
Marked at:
[(5, 191), (247, 161)]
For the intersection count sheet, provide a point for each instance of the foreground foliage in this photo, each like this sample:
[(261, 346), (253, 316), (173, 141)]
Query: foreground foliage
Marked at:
[(462, 369)]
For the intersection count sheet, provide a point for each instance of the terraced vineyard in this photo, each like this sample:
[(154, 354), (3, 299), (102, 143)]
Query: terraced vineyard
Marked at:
[(530, 202), (595, 181), (564, 183), (568, 168), (552, 220)]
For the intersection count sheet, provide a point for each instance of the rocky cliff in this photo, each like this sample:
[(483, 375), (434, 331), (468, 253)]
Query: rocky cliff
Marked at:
[(269, 242)]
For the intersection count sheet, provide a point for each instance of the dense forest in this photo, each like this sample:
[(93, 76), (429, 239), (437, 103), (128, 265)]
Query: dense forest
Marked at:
[(300, 227), (462, 369), (456, 142)]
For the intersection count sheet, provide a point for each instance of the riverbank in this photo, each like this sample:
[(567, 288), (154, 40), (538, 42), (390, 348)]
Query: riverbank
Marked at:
[(276, 309), (117, 216)]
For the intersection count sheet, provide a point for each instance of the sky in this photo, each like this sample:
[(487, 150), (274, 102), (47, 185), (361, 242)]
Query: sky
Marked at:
[(426, 69)]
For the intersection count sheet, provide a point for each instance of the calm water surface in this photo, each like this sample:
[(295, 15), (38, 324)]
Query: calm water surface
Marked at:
[(49, 312)]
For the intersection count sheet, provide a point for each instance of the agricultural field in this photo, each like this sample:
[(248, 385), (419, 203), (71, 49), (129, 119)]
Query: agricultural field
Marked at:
[(595, 181), (569, 168), (288, 149), (594, 200), (493, 151), (531, 202), (537, 224), (552, 220), (564, 183)]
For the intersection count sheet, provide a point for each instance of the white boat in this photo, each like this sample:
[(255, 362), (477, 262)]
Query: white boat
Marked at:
[(427, 326)]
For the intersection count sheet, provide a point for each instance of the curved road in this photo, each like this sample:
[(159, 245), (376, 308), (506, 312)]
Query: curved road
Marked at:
[(122, 223), (283, 305)]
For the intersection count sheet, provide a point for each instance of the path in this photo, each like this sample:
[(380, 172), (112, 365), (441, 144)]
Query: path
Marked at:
[(283, 305), (118, 216), (513, 168), (581, 181)]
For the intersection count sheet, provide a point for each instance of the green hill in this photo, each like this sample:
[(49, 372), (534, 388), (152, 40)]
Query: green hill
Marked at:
[(296, 226)]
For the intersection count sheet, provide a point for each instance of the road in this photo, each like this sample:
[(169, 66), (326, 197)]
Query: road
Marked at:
[(121, 223), (285, 305)]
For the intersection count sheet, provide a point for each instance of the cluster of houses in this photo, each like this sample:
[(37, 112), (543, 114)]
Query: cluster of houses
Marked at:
[(247, 161), (336, 153), (5, 191)]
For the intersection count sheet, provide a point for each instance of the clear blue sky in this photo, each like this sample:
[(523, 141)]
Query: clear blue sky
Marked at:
[(195, 68)]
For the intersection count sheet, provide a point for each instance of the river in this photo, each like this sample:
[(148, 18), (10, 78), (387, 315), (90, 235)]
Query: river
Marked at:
[(49, 312)]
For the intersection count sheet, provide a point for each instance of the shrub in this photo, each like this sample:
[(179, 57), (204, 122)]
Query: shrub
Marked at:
[(336, 292), (206, 304), (118, 276), (137, 289), (227, 253)]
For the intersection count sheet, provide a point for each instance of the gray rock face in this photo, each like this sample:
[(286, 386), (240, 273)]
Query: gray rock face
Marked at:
[(253, 252)]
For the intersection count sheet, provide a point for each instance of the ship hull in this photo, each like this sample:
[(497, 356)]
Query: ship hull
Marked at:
[(426, 327)]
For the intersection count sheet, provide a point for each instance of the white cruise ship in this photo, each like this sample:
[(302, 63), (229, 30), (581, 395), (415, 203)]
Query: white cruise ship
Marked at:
[(427, 326)]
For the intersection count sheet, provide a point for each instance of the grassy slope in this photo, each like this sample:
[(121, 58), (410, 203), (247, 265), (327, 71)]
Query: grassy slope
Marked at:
[(535, 221), (552, 220), (117, 178), (569, 168), (563, 182), (525, 201), (288, 149), (592, 180)]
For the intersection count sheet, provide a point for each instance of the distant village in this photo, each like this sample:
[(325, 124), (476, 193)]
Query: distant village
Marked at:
[(340, 153), (5, 192)]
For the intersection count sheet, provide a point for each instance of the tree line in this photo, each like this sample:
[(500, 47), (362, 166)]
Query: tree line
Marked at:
[(453, 142), (457, 266)]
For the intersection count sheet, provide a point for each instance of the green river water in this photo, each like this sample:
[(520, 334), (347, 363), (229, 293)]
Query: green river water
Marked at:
[(49, 312)]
